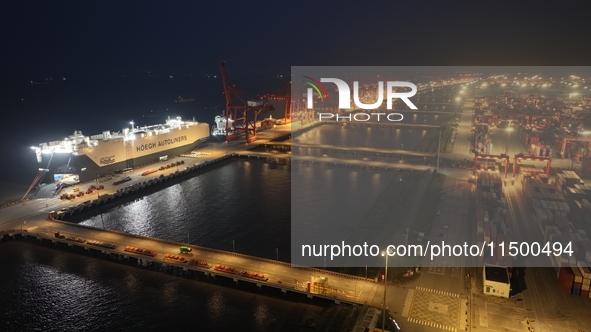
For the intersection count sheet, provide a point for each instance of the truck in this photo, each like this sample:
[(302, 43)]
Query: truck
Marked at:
[(186, 250)]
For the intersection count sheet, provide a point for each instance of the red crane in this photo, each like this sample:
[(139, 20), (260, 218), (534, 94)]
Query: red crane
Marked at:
[(520, 157), (284, 93), (243, 112)]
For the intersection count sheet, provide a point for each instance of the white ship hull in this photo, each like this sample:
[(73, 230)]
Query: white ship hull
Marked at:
[(100, 155)]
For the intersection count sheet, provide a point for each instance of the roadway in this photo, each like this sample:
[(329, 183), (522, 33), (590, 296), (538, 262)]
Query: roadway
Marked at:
[(364, 150), (280, 274), (443, 289)]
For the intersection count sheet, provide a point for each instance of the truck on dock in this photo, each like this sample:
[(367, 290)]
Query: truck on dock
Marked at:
[(186, 250), (123, 180)]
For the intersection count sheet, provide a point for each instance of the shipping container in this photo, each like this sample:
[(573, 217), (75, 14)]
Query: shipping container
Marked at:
[(565, 279), (584, 269)]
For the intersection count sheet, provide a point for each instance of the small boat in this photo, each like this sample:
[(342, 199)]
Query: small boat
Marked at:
[(181, 100)]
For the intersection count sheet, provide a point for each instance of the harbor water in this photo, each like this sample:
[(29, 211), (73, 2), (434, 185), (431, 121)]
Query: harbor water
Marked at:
[(243, 205), (52, 290)]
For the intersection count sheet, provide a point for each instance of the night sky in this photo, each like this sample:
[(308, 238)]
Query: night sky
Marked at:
[(83, 40), (71, 38)]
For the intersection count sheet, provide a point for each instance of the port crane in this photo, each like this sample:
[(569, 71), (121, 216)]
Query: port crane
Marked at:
[(285, 94), (503, 157), (519, 157), (242, 111), (575, 139)]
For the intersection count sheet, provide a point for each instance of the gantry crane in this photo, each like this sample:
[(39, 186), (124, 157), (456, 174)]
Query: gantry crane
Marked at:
[(284, 94), (238, 108), (503, 157)]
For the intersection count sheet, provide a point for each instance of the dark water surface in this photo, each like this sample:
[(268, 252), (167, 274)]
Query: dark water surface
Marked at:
[(45, 289)]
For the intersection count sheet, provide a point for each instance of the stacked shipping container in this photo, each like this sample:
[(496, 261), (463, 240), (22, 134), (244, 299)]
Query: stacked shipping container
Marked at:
[(492, 217), (575, 280), (552, 205)]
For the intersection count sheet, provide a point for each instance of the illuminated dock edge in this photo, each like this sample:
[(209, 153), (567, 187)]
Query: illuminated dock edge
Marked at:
[(319, 289)]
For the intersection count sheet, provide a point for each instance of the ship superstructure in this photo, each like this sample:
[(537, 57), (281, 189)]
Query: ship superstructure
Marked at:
[(220, 126), (88, 157)]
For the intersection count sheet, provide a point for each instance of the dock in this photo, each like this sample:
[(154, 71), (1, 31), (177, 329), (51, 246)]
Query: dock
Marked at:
[(37, 220), (241, 268)]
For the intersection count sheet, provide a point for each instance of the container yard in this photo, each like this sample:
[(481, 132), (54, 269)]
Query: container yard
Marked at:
[(492, 217), (560, 209)]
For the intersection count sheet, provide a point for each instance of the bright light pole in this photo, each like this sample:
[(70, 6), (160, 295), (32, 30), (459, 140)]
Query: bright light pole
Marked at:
[(438, 150), (98, 195), (509, 130), (233, 246), (585, 133), (385, 280), (406, 237)]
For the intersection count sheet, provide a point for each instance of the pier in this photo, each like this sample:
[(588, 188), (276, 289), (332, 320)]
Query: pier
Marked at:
[(38, 220), (311, 282), (363, 150), (366, 124)]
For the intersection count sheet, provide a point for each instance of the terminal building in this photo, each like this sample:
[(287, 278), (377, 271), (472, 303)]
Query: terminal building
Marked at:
[(496, 281)]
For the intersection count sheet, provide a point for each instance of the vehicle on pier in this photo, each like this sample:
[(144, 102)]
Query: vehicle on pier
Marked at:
[(140, 251), (186, 250), (175, 258), (253, 275), (199, 263), (125, 179), (148, 172), (76, 239), (67, 196), (223, 268), (101, 244)]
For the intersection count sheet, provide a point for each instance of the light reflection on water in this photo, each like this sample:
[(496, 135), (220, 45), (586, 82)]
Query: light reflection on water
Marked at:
[(216, 306), (243, 201), (246, 201), (44, 289)]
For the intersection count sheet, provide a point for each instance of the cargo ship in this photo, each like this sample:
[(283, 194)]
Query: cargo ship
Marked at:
[(181, 100), (80, 158)]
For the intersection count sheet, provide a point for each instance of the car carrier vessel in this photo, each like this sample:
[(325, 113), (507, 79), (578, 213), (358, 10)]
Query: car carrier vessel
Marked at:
[(80, 158)]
